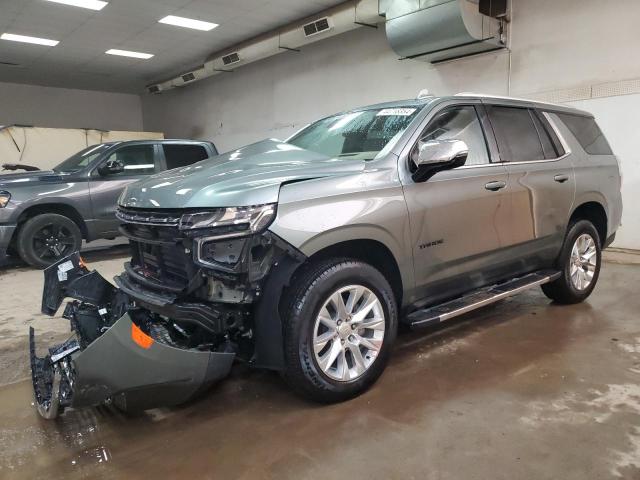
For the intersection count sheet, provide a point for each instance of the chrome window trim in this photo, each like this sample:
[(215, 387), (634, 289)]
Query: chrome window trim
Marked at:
[(483, 165), (556, 130)]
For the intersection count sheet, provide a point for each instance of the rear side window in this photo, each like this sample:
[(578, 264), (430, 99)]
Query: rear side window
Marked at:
[(183, 155), (516, 134), (587, 132)]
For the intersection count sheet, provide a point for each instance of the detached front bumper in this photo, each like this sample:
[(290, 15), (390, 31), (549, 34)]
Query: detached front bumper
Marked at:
[(118, 356)]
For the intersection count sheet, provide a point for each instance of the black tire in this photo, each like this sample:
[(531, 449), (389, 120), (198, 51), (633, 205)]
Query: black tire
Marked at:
[(311, 288), (564, 290), (34, 244)]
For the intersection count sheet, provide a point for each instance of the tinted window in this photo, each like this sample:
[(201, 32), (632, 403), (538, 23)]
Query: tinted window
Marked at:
[(459, 123), (137, 159), (183, 155), (516, 134), (547, 145), (587, 132)]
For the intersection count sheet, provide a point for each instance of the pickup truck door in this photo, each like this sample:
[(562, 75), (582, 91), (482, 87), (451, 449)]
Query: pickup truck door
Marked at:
[(541, 184), (458, 217), (139, 161)]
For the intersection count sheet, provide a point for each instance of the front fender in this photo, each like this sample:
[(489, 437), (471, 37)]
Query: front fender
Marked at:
[(314, 224)]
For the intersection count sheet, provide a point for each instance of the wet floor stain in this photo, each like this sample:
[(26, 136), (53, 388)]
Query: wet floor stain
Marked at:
[(524, 389)]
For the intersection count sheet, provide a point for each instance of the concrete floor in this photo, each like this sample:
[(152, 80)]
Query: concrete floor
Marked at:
[(521, 390)]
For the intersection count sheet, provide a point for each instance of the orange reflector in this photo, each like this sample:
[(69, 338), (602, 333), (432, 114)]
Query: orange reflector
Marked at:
[(81, 263), (141, 338)]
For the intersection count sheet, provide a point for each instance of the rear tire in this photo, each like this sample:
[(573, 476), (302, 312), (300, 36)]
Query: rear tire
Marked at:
[(579, 262), (46, 238), (333, 354)]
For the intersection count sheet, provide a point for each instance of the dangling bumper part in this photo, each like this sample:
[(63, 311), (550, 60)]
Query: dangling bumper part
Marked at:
[(120, 354)]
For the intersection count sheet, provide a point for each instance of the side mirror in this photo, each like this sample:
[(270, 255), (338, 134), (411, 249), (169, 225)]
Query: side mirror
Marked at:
[(437, 155), (111, 167)]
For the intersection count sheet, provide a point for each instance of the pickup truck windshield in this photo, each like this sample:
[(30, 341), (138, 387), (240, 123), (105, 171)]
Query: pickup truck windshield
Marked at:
[(81, 159), (361, 134)]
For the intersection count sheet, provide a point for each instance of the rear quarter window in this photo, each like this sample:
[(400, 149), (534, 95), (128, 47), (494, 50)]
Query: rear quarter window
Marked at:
[(587, 132)]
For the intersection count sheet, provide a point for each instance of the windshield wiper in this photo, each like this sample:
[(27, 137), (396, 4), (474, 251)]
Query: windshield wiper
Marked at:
[(19, 166)]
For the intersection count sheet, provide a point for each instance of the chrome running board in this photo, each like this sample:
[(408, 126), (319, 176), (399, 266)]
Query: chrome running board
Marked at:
[(478, 298)]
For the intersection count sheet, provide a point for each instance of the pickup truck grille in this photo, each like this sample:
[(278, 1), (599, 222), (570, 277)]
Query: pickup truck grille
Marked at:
[(158, 252)]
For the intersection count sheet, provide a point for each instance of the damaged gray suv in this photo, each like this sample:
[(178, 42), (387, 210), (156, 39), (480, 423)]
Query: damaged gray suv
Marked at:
[(304, 256)]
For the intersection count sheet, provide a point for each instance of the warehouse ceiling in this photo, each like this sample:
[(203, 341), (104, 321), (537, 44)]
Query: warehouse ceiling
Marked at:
[(79, 60)]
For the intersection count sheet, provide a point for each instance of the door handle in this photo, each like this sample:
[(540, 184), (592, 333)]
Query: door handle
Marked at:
[(561, 178), (495, 186)]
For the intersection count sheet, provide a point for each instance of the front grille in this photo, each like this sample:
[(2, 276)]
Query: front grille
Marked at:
[(165, 263), (157, 248), (149, 217)]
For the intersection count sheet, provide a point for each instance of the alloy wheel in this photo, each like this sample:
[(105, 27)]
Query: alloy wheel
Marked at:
[(348, 332), (583, 262)]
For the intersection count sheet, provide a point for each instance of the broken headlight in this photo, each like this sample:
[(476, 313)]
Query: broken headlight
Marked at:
[(226, 222)]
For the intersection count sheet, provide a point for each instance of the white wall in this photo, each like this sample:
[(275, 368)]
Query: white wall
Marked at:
[(68, 108), (554, 45), (274, 97)]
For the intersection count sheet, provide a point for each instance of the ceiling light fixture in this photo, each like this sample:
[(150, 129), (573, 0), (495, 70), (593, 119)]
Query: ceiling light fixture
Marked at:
[(26, 39), (90, 4), (188, 23), (127, 53)]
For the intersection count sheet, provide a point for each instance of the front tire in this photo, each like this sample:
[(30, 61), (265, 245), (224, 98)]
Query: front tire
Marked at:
[(579, 262), (46, 238), (340, 324)]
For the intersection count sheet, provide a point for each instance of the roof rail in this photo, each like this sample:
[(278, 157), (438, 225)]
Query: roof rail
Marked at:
[(505, 97)]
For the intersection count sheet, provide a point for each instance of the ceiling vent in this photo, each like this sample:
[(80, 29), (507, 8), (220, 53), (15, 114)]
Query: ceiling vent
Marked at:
[(231, 59), (314, 28), (445, 30), (188, 77)]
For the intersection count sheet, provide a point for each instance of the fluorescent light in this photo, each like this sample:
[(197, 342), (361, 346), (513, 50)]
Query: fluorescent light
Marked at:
[(90, 4), (25, 39), (127, 53), (188, 23)]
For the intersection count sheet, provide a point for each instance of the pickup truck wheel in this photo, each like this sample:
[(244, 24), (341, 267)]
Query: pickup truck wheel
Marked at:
[(340, 323), (579, 262), (46, 238)]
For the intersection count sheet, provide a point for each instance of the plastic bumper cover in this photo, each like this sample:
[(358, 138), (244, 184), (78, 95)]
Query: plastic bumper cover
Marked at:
[(113, 362)]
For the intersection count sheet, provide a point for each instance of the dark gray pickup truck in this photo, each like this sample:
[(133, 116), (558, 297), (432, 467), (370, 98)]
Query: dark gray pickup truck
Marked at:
[(44, 215)]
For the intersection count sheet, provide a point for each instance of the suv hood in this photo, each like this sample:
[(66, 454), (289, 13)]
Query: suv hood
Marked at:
[(251, 175)]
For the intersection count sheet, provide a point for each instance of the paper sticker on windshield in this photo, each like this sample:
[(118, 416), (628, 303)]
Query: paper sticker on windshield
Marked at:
[(399, 112)]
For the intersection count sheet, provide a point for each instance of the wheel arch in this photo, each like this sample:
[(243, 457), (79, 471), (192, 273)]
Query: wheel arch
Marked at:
[(56, 208), (372, 252), (595, 212)]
